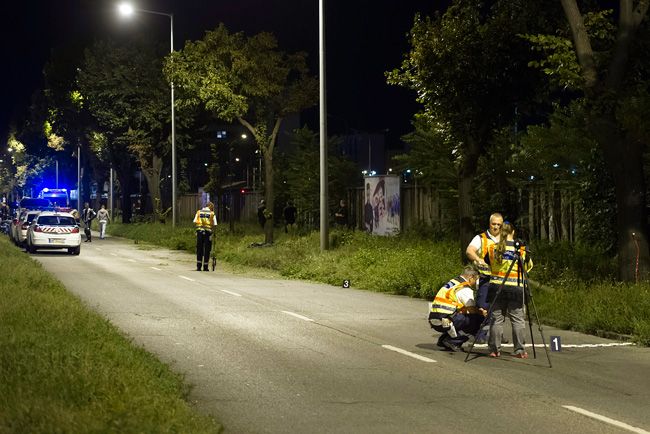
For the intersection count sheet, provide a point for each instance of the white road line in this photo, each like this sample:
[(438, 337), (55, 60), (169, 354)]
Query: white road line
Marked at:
[(186, 278), (605, 419), (231, 293), (154, 268), (98, 248), (304, 318), (113, 254), (613, 344), (132, 260), (408, 353)]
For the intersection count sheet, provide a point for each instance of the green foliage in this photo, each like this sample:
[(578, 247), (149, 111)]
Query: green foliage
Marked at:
[(64, 368), (298, 177)]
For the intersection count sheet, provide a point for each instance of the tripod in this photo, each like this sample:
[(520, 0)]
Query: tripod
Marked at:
[(527, 298)]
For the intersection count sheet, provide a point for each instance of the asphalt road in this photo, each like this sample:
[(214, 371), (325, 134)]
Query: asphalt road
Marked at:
[(286, 356)]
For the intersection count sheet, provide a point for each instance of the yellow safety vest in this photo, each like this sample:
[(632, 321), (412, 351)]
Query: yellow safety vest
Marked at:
[(486, 243), (203, 220), (446, 302), (500, 270)]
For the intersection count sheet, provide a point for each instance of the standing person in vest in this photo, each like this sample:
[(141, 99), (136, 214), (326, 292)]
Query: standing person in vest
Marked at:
[(476, 252), (205, 222), (454, 312), (511, 298)]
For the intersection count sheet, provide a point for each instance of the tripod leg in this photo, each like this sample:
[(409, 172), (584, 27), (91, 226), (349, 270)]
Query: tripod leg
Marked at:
[(541, 332), (496, 297), (530, 326), (539, 323)]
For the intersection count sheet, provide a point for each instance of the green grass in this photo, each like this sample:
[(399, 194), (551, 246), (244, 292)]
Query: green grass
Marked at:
[(63, 368), (584, 297)]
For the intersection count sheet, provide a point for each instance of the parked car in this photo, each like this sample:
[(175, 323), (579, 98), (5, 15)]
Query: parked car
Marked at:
[(19, 226), (54, 230)]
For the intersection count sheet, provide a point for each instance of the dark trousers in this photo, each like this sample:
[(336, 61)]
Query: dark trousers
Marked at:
[(468, 324), (87, 232), (203, 245)]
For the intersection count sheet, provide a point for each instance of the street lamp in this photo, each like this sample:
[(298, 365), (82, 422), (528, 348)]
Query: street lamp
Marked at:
[(324, 214), (127, 9)]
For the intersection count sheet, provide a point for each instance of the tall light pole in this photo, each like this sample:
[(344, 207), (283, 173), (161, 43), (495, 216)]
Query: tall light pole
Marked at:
[(324, 214), (126, 10)]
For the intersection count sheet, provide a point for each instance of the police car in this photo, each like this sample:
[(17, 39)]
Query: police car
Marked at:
[(54, 230)]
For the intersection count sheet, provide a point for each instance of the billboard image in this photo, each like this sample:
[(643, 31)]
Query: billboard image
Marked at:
[(381, 208)]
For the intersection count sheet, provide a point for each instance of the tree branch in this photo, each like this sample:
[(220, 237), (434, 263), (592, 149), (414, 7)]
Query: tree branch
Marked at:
[(584, 51)]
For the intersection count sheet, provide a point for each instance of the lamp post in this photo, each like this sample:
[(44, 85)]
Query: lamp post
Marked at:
[(127, 10), (324, 214)]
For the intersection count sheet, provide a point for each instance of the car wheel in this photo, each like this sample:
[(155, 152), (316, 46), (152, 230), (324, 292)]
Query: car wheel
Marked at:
[(30, 249)]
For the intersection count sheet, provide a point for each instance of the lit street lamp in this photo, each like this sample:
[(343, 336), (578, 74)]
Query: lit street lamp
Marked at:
[(126, 9)]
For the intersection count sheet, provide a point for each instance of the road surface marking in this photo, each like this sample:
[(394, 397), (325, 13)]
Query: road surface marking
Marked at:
[(408, 353), (606, 419), (132, 260), (113, 254), (613, 344), (231, 293), (304, 318), (154, 268), (186, 278)]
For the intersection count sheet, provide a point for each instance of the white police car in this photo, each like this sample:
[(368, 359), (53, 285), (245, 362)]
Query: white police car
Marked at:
[(54, 230)]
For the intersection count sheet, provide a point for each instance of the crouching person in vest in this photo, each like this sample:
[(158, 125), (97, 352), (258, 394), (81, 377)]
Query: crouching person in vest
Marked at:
[(454, 312), (205, 222)]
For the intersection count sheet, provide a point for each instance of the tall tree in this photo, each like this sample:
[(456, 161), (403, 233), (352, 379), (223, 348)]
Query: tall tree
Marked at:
[(244, 79), (605, 82), (125, 90), (470, 71)]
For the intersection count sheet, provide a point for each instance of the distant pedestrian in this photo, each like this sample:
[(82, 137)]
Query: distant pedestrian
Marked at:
[(341, 215), (261, 213), (103, 217), (205, 222), (87, 216), (289, 212)]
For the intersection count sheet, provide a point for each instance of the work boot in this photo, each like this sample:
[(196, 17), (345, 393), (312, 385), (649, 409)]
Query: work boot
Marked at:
[(451, 346)]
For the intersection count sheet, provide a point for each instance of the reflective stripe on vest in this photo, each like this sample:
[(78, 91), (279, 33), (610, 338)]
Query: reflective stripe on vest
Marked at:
[(486, 243), (500, 270), (203, 220), (446, 302)]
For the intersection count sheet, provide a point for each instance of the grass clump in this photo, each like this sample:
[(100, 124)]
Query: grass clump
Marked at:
[(64, 368)]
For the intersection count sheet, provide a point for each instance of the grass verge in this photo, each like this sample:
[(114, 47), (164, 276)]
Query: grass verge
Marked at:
[(65, 369), (409, 265)]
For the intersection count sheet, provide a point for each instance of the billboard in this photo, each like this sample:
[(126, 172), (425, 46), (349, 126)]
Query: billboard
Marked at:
[(381, 208)]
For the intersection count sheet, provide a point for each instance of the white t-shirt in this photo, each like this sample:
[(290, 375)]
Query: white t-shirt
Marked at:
[(476, 241), (465, 295)]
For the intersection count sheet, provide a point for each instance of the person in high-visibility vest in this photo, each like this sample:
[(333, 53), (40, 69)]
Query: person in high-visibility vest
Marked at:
[(476, 252), (205, 222), (454, 312), (511, 298)]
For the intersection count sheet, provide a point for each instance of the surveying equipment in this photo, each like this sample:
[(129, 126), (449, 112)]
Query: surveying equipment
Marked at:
[(527, 301)]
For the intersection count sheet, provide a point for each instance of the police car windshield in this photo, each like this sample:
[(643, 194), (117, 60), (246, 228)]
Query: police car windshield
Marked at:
[(53, 220)]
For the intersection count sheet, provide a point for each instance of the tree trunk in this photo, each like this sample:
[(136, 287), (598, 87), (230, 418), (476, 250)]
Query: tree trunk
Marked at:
[(551, 213), (543, 235), (564, 215), (152, 171), (625, 160), (268, 196), (531, 212), (466, 174)]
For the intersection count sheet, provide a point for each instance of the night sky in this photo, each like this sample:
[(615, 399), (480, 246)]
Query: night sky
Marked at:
[(364, 39)]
